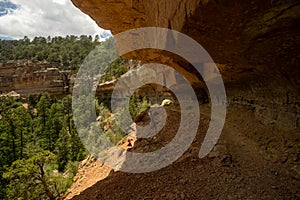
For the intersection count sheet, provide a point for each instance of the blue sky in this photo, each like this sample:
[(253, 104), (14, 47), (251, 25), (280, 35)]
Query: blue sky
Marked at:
[(42, 18)]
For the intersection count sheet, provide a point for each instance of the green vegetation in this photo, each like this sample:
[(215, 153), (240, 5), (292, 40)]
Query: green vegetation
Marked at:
[(108, 124), (114, 70), (137, 105), (63, 52), (39, 148), (66, 53), (36, 178), (39, 145)]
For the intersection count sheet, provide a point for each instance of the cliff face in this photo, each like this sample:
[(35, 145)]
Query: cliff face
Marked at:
[(25, 77), (255, 43)]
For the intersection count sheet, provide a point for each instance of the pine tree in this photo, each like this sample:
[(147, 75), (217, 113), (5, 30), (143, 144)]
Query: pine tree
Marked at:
[(62, 149), (28, 178)]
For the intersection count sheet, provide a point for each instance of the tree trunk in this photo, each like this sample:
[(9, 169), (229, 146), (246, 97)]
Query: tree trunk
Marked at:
[(47, 190)]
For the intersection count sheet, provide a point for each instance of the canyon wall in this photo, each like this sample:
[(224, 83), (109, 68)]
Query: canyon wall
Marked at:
[(255, 44), (26, 77)]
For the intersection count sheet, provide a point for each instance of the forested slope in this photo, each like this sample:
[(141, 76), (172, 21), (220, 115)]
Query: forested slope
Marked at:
[(39, 145)]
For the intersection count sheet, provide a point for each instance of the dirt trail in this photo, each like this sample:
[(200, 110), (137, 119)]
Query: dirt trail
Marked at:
[(237, 168), (90, 172)]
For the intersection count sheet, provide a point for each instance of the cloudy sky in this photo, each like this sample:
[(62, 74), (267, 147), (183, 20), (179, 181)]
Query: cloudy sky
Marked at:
[(42, 18)]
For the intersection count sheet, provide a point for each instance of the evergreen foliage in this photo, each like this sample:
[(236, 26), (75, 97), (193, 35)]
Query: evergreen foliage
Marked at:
[(63, 52), (39, 144), (34, 142)]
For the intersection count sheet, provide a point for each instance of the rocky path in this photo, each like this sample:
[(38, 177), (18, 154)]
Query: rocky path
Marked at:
[(237, 168)]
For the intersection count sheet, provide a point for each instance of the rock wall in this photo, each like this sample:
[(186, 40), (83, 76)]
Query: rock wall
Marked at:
[(154, 92), (25, 77), (255, 42)]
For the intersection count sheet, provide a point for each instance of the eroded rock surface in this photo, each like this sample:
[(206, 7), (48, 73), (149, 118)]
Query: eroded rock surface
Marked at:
[(256, 45), (26, 77)]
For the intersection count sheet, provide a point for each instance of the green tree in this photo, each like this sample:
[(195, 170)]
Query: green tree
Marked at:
[(24, 133), (21, 127), (28, 178), (42, 122), (62, 149)]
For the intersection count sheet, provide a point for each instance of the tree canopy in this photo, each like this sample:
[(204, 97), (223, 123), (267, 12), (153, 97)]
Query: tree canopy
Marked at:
[(63, 52), (35, 141)]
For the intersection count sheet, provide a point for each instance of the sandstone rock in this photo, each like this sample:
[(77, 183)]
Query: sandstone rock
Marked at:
[(256, 44), (25, 77)]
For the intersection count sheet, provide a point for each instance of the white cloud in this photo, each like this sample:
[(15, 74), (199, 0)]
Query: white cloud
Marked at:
[(62, 2), (46, 17)]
